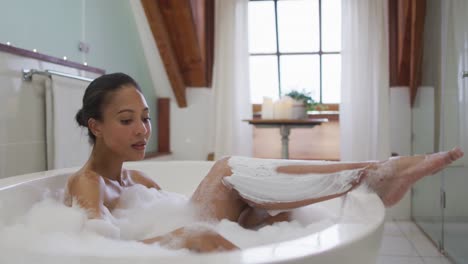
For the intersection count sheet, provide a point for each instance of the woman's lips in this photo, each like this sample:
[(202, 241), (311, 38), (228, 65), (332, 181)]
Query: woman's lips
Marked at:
[(139, 146)]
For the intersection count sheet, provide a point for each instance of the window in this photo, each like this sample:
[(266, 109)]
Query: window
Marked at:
[(295, 45)]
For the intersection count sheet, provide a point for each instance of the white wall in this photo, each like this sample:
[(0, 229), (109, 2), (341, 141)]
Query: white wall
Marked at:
[(22, 115), (400, 142), (426, 193), (400, 121), (423, 123), (189, 126)]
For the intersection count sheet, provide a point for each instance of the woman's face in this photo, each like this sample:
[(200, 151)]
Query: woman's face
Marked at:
[(125, 126)]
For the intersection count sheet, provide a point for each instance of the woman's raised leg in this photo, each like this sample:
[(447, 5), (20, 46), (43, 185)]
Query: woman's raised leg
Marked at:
[(390, 179), (213, 199)]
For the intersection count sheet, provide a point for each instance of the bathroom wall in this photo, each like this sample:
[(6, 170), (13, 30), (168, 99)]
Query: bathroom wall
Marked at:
[(400, 142), (22, 115), (55, 27)]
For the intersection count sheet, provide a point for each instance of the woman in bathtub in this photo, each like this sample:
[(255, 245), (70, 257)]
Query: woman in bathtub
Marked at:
[(117, 117)]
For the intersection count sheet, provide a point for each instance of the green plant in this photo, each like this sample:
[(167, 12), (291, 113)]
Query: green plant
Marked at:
[(306, 98)]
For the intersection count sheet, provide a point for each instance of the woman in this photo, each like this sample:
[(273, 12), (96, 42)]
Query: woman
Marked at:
[(117, 117)]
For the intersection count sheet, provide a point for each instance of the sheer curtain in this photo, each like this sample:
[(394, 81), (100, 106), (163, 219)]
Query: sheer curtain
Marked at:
[(231, 93), (364, 109)]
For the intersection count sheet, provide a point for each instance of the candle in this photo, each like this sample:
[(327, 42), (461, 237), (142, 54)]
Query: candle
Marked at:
[(267, 108), (277, 110), (288, 103), (281, 109)]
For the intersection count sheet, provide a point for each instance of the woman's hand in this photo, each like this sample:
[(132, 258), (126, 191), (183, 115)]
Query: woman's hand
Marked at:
[(198, 239)]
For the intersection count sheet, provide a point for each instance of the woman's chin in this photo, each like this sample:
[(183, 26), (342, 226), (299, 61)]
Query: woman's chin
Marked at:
[(136, 157), (141, 157)]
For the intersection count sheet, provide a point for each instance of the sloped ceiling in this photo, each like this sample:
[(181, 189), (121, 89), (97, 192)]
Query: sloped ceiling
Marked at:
[(184, 33)]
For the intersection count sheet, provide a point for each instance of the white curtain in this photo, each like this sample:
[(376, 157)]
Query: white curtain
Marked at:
[(231, 93), (364, 109)]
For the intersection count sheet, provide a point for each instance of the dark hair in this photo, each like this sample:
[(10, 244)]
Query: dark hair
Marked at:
[(96, 96)]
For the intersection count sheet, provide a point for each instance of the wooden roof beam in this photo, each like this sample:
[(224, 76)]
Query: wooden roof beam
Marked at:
[(168, 55)]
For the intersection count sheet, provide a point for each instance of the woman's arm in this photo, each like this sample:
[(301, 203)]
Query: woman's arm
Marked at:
[(199, 239), (140, 178)]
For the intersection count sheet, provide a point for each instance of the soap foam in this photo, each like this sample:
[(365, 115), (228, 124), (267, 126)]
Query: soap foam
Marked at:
[(258, 180), (51, 228)]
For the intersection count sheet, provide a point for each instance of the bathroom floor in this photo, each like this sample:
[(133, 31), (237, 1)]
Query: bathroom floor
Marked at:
[(404, 243), (456, 234), (455, 240)]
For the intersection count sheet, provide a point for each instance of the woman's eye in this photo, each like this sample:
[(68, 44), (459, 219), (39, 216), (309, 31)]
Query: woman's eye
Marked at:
[(146, 119), (125, 121)]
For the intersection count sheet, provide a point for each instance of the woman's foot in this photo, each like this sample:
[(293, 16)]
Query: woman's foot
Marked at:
[(391, 179)]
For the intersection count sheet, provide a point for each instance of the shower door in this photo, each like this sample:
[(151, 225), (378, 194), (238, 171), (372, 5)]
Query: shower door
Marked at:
[(454, 128), (440, 203)]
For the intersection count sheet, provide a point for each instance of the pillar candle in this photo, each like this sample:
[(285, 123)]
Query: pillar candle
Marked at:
[(267, 108)]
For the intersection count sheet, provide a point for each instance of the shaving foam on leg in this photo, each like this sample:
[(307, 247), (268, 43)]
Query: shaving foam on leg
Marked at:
[(257, 180)]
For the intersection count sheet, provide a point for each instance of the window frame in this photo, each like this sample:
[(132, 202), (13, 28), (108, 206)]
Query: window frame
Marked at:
[(278, 54)]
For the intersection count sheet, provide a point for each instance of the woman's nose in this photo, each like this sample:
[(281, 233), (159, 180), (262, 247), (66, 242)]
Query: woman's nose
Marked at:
[(141, 129)]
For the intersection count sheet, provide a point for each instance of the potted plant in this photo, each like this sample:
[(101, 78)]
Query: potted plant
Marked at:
[(303, 103)]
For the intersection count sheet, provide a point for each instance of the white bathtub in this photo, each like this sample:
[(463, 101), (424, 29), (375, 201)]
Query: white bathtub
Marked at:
[(345, 242)]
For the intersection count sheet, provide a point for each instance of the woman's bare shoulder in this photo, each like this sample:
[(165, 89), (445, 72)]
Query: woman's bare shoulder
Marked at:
[(84, 180), (87, 189), (139, 177)]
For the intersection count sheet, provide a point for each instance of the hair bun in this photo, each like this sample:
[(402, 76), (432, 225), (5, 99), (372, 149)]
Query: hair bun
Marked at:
[(80, 118)]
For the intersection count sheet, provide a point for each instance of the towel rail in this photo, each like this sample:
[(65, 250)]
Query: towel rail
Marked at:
[(28, 73)]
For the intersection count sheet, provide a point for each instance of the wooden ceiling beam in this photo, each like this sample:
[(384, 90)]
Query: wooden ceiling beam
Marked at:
[(203, 13), (404, 40), (167, 53), (417, 46), (179, 17), (406, 24), (184, 32)]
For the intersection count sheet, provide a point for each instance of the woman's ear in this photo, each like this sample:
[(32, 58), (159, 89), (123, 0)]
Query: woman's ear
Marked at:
[(95, 127)]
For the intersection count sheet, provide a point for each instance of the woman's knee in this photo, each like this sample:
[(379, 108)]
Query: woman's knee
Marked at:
[(224, 159), (222, 167), (223, 162)]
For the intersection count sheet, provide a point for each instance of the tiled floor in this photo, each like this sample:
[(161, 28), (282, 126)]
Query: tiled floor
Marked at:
[(455, 236), (404, 243)]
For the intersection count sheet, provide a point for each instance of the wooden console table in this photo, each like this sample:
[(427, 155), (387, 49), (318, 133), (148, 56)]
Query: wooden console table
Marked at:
[(285, 126)]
